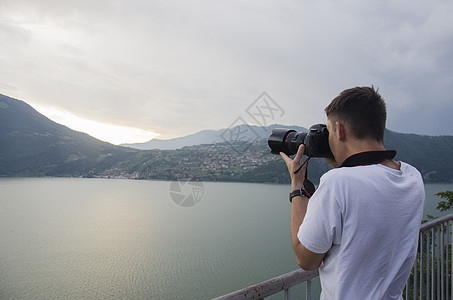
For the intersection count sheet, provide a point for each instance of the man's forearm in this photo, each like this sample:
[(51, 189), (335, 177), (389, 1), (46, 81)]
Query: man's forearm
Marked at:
[(298, 211), (305, 258)]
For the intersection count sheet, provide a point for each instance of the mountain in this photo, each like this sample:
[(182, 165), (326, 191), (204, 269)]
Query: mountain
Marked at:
[(202, 137), (252, 161), (431, 155), (241, 132), (33, 145)]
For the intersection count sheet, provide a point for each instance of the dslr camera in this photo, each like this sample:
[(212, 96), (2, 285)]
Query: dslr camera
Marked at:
[(316, 141)]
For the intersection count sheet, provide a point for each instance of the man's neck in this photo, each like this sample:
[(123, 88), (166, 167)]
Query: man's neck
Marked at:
[(359, 146), (384, 157), (355, 146)]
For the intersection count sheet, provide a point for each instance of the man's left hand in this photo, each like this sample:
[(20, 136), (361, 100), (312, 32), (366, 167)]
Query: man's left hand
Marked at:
[(293, 165)]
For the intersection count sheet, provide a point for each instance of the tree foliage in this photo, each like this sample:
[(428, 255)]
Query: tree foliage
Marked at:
[(445, 205)]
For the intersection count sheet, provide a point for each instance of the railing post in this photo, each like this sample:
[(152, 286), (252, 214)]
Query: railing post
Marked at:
[(428, 281), (414, 280), (433, 254), (422, 244), (442, 282), (447, 268), (438, 262), (287, 294), (308, 290)]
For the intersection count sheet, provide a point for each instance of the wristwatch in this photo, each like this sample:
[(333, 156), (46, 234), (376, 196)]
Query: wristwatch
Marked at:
[(306, 191), (299, 192)]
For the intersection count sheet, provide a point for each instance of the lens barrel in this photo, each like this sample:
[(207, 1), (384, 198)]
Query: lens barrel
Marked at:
[(316, 141), (286, 141), (277, 140), (293, 141)]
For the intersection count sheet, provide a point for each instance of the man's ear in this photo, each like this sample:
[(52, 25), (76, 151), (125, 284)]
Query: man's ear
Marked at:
[(341, 130)]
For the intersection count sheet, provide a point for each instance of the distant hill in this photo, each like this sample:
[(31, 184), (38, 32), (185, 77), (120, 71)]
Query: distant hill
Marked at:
[(33, 145), (237, 133), (431, 155)]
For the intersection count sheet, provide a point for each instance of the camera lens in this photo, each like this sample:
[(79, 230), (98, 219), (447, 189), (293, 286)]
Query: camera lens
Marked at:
[(316, 141), (293, 141), (277, 140), (286, 141)]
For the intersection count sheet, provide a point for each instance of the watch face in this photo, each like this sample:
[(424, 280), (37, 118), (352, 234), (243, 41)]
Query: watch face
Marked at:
[(309, 187)]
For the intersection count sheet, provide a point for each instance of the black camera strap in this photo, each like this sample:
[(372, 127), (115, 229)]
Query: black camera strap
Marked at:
[(367, 158), (309, 187)]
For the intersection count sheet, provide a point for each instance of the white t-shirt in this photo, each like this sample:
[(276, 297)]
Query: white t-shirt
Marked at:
[(367, 219)]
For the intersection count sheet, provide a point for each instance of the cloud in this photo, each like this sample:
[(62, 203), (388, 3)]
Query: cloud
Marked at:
[(177, 67)]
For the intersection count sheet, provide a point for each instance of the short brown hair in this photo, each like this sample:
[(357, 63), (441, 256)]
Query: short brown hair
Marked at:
[(363, 109)]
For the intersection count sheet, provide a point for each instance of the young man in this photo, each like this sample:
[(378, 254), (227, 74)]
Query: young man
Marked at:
[(360, 227)]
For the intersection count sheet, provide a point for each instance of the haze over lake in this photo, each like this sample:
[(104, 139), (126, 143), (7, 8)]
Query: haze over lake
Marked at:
[(98, 238)]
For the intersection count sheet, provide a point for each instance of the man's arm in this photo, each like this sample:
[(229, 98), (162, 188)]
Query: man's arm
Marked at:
[(306, 259)]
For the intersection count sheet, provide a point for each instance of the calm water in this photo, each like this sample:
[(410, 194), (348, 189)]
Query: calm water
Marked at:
[(117, 239)]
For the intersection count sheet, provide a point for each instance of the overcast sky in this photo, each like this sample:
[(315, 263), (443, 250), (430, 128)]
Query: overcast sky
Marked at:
[(177, 67)]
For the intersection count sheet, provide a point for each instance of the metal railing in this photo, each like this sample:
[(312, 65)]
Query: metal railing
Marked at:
[(431, 276), (275, 285)]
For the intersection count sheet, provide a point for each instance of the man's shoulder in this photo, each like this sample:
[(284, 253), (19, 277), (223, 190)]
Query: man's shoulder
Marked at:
[(341, 173), (365, 172), (408, 167), (359, 175)]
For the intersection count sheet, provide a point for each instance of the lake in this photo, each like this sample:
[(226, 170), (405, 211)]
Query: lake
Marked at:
[(126, 239)]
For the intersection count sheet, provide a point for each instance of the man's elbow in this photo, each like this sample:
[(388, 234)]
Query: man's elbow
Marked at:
[(307, 264), (306, 259)]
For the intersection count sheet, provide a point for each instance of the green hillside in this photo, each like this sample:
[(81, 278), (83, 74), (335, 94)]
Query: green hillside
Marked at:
[(432, 155), (33, 145)]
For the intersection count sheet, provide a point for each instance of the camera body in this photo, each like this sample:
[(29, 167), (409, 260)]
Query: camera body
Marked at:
[(316, 141)]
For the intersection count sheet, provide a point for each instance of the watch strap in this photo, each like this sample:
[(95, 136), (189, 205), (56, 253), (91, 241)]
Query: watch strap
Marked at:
[(307, 190), (295, 193)]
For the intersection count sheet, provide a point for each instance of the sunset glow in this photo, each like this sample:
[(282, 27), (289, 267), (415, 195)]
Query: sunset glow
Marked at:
[(106, 132)]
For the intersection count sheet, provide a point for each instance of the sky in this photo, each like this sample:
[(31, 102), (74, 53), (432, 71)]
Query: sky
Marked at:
[(139, 69)]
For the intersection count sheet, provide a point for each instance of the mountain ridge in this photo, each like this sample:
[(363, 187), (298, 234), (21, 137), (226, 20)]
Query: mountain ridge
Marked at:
[(33, 145), (210, 136)]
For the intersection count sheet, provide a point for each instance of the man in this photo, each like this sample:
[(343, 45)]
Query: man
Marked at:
[(360, 227)]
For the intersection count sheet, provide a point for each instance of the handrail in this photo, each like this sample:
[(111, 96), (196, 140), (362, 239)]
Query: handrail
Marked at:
[(435, 222), (271, 286), (431, 276), (286, 281)]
